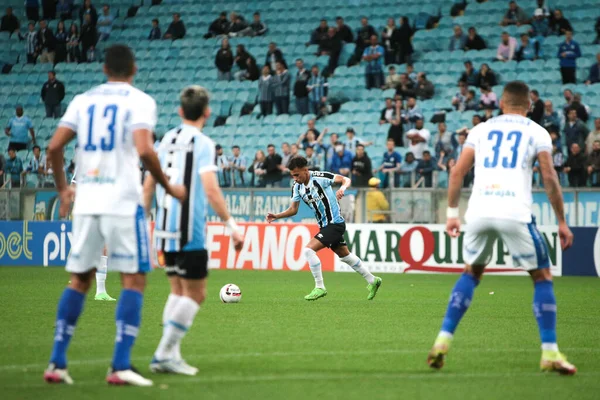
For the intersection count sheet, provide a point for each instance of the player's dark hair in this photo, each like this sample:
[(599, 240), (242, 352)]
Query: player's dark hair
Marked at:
[(193, 101), (516, 95), (297, 162), (119, 61)]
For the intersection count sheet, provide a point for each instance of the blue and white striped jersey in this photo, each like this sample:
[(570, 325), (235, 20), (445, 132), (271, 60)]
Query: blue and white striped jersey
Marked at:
[(185, 154), (320, 197)]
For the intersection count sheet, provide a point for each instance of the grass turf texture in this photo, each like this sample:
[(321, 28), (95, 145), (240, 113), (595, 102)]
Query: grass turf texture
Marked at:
[(274, 344)]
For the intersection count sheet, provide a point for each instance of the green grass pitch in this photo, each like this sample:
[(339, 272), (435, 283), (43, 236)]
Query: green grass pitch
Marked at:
[(275, 345)]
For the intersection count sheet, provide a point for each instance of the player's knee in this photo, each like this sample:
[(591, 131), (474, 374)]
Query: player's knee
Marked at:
[(135, 282), (81, 282), (310, 255), (475, 270), (542, 274)]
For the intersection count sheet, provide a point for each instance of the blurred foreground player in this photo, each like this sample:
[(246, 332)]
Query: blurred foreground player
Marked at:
[(113, 124), (314, 188), (188, 158), (503, 150)]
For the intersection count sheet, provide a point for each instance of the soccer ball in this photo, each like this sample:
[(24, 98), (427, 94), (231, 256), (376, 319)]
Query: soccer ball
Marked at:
[(230, 293)]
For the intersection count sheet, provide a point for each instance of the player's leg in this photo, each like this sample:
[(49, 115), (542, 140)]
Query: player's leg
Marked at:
[(87, 244), (477, 250), (314, 263), (101, 273), (352, 260)]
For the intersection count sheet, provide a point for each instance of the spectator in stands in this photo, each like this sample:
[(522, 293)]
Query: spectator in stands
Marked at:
[(363, 40), (514, 15), (594, 76), (593, 136), (408, 167), (32, 9), (527, 49), (36, 164), (352, 141), (258, 170), (223, 168), (506, 48), (286, 156), (583, 111), (458, 7), (73, 51), (392, 114), (559, 24), (458, 40), (488, 113), (9, 22), (373, 55), (401, 41), (540, 27), (266, 92), (558, 160), (392, 161), (237, 163), (341, 160), (470, 75), (406, 88), (282, 89), (53, 93), (376, 203), (594, 164), (486, 75), (597, 28), (219, 26), (488, 98), (575, 131), (241, 60), (425, 89), (105, 23), (576, 166), (361, 168), (386, 40), (476, 120), (418, 137), (551, 120), (309, 139), (46, 43), (410, 72), (312, 159), (343, 31), (155, 32), (258, 27), (274, 55), (317, 90), (412, 114), (176, 29), (61, 43), (426, 167), (459, 100), (224, 61), (319, 34), (18, 128), (471, 103), (88, 9), (272, 177), (13, 168), (330, 150), (300, 89), (32, 44), (474, 41), (64, 8), (568, 52), (392, 80), (443, 143), (88, 39), (239, 26), (331, 46), (536, 111), (461, 138)]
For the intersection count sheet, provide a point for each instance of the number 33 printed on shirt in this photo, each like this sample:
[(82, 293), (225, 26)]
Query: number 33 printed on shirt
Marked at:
[(513, 137)]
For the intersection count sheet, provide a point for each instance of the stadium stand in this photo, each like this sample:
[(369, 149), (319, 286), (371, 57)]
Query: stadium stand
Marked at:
[(166, 66)]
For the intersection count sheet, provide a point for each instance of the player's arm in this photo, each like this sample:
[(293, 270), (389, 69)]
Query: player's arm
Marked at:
[(457, 175), (345, 182), (290, 212), (554, 193), (148, 193), (62, 136)]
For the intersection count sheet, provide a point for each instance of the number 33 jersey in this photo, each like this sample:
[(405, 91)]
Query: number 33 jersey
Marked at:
[(506, 148), (108, 174)]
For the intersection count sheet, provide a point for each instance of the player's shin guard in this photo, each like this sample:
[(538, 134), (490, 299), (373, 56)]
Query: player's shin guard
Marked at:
[(69, 309), (179, 322), (128, 317), (460, 300), (544, 309), (356, 264), (315, 266), (101, 275), (167, 312)]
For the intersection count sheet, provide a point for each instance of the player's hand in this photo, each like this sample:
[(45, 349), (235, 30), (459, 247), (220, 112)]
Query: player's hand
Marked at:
[(238, 240), (178, 191), (271, 217), (453, 227), (340, 193), (66, 199), (565, 235)]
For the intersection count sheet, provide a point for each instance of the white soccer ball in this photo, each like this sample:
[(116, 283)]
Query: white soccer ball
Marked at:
[(230, 293)]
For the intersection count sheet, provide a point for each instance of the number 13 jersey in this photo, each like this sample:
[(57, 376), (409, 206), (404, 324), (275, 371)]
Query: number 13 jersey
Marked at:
[(506, 148), (108, 174)]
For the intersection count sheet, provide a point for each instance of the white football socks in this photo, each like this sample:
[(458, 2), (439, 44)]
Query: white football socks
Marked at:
[(315, 266), (168, 310), (356, 264), (179, 322), (101, 275)]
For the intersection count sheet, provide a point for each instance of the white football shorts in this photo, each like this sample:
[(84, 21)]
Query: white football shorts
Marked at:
[(524, 242), (125, 237)]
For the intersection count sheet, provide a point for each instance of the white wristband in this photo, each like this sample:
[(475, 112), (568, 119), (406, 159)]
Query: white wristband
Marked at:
[(230, 223), (452, 212)]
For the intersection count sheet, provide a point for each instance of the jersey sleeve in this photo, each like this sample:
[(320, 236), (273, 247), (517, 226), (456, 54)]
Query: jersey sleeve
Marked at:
[(143, 113), (29, 123), (471, 140), (205, 156), (325, 179), (543, 142), (295, 194), (70, 119)]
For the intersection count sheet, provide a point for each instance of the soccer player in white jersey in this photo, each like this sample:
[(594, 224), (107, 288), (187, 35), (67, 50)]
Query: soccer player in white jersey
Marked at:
[(113, 124), (188, 157), (503, 151), (102, 268)]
